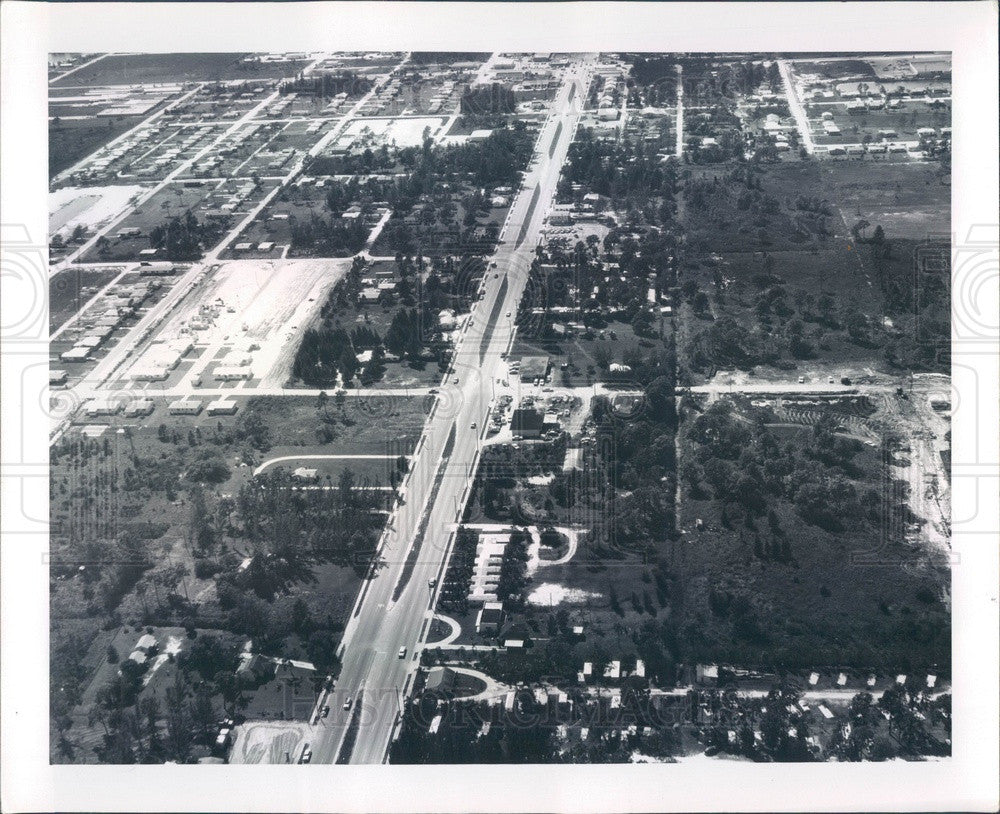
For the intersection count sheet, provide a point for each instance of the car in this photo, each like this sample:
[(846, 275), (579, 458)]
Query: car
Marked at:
[(496, 276), (431, 583), (472, 426), (830, 380), (402, 653), (347, 703), (306, 754), (326, 710), (196, 381), (455, 380), (508, 315), (433, 391), (802, 379), (845, 380)]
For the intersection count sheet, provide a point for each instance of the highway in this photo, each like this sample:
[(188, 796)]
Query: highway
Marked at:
[(393, 609)]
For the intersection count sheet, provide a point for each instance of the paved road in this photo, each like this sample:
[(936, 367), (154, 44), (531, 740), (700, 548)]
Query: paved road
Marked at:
[(392, 609), (795, 105)]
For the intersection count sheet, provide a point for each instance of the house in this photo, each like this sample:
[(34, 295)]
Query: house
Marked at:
[(139, 407), (440, 679), (77, 354), (58, 377), (185, 407), (227, 373), (490, 617), (304, 473), (103, 406), (480, 135), (222, 406), (706, 673), (527, 423)]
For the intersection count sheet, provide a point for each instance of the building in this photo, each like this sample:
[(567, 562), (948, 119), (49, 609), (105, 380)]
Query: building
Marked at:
[(229, 373), (527, 423), (185, 407), (490, 618), (139, 407), (58, 377), (480, 135), (485, 580), (304, 473), (76, 354), (222, 406), (440, 679), (103, 407)]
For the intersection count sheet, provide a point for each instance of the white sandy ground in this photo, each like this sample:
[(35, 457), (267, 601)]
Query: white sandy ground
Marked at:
[(551, 594), (268, 741), (91, 207), (275, 299), (404, 132), (172, 648)]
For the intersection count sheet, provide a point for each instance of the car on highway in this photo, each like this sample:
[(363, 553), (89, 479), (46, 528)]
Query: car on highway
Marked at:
[(802, 379), (402, 653)]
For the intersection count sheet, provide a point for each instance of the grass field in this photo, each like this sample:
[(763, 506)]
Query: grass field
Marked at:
[(74, 139), (127, 69), (71, 288)]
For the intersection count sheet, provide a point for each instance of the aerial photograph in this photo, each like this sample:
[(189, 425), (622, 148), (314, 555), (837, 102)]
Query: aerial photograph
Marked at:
[(499, 408)]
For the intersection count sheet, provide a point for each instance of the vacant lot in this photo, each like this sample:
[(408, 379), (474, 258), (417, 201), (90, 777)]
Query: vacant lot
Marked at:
[(128, 69), (71, 140), (71, 288)]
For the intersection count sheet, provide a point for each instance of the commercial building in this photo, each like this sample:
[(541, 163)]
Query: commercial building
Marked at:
[(527, 423)]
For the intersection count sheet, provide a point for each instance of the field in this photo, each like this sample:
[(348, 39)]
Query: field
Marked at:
[(71, 140), (129, 69), (71, 288)]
